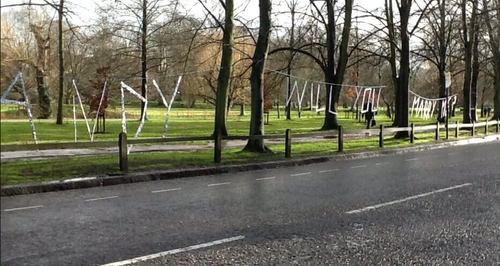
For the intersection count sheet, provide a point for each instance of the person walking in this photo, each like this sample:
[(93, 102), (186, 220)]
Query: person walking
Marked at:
[(369, 116)]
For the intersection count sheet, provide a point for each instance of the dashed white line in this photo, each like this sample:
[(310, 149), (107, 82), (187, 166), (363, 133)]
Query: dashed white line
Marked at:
[(406, 199), (105, 198), (359, 166), (301, 174), (265, 178), (219, 184), (328, 171), (175, 251), (412, 159), (23, 208), (165, 190), (377, 164)]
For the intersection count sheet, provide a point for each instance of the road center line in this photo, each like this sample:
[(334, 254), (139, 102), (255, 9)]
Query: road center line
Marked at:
[(165, 190), (175, 251), (219, 184), (328, 171), (377, 164), (369, 208), (105, 198), (412, 159), (301, 174), (23, 208), (359, 166), (265, 178)]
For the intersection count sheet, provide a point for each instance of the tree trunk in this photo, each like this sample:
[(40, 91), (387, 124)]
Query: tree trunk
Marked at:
[(402, 117), (257, 79), (144, 50), (332, 75), (496, 99), (44, 108), (475, 77), (225, 71), (442, 92), (468, 38), (442, 58), (59, 119), (389, 13), (494, 41), (288, 108), (242, 109), (229, 106), (43, 46)]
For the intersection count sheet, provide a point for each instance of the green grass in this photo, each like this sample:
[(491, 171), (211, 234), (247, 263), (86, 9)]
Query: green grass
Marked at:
[(71, 167), (183, 122)]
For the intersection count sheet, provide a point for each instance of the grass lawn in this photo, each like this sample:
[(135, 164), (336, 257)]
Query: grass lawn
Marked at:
[(183, 122), (71, 167)]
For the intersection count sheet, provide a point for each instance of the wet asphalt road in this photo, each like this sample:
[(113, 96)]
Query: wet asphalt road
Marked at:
[(438, 207)]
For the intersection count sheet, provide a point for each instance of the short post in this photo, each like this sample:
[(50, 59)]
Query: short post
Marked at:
[(473, 128), (498, 126), (341, 139), (288, 143), (447, 130), (381, 137), (486, 128), (123, 151), (457, 130), (218, 146), (412, 133), (437, 131)]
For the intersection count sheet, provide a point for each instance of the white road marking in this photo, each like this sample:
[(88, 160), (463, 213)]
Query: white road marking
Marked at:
[(301, 174), (412, 159), (406, 199), (219, 184), (175, 251), (359, 166), (166, 190), (377, 164), (23, 208), (265, 178), (105, 198), (328, 171)]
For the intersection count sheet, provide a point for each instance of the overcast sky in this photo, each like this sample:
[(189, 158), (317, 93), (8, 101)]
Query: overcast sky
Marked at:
[(245, 9)]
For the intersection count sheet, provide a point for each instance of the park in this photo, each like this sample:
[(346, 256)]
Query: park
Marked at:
[(222, 124)]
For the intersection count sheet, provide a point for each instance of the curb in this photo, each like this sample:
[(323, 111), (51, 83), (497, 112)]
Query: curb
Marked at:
[(89, 182)]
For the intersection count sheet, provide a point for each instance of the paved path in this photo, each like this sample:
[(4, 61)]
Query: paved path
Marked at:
[(52, 154), (438, 207)]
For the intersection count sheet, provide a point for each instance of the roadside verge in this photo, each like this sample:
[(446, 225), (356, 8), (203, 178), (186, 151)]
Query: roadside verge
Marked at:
[(88, 182)]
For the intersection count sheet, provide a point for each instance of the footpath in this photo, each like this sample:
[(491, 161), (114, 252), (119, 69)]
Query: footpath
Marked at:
[(14, 156)]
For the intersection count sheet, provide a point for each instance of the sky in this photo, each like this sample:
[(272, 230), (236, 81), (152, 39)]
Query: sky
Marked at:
[(245, 9)]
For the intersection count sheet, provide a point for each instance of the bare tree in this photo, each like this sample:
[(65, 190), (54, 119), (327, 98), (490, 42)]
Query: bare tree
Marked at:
[(492, 15), (469, 31), (147, 14), (257, 79), (292, 6), (437, 33), (40, 65), (59, 119), (333, 70), (225, 70)]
